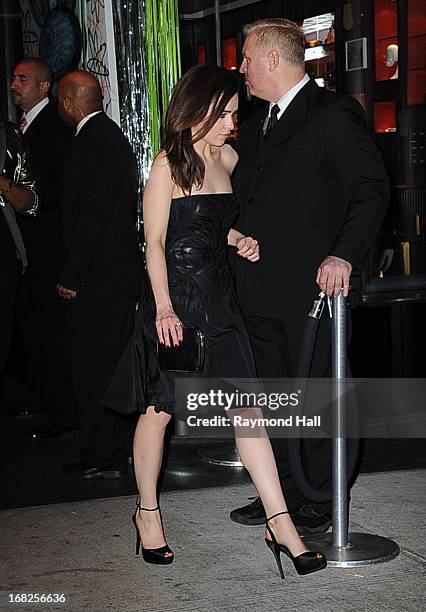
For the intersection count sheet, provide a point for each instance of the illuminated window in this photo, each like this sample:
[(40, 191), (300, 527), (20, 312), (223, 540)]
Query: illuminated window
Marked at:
[(201, 53), (386, 29), (416, 63), (320, 53), (384, 117), (229, 53)]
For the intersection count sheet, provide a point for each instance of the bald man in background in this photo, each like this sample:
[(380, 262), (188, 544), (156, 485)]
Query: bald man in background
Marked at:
[(102, 272), (41, 311)]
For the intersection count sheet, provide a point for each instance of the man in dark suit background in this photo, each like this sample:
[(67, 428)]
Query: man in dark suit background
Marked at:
[(102, 272), (42, 311), (313, 190)]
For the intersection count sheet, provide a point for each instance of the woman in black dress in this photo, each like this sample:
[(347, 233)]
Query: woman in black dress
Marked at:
[(188, 212)]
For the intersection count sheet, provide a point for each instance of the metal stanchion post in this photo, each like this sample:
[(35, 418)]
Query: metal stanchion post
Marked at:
[(341, 548), (340, 450)]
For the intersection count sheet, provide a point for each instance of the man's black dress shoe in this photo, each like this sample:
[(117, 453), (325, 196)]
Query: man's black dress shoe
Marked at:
[(309, 519), (83, 469), (252, 514), (52, 429)]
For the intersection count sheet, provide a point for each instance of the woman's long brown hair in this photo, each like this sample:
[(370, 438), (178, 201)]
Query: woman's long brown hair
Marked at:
[(202, 89)]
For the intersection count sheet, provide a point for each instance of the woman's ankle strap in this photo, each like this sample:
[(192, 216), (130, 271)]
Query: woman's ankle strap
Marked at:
[(277, 514), (139, 507)]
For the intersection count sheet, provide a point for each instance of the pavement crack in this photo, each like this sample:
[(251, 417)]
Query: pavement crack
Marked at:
[(88, 570), (415, 556)]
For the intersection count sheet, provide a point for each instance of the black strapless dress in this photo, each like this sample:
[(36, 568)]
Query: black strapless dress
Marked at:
[(202, 293)]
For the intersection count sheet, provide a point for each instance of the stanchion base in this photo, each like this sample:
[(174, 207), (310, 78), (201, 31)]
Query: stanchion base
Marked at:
[(362, 549), (221, 455)]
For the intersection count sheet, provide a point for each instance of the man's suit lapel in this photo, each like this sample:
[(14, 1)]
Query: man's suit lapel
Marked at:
[(37, 125), (292, 117), (259, 136)]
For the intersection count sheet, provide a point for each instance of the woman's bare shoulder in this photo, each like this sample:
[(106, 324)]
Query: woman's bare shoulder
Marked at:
[(160, 175), (229, 157), (160, 160)]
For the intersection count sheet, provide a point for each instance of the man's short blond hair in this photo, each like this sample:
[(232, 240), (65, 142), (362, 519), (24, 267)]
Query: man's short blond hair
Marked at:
[(282, 35)]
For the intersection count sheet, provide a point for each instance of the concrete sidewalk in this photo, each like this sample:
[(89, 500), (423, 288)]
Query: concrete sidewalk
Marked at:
[(85, 550)]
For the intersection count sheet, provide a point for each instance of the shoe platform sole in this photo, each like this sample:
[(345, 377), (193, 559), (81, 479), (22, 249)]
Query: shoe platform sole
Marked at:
[(248, 521)]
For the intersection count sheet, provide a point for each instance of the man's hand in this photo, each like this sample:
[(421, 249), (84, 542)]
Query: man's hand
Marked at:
[(67, 294), (334, 274)]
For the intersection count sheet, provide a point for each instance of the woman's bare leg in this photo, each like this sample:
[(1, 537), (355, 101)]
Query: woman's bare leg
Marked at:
[(258, 458), (148, 447)]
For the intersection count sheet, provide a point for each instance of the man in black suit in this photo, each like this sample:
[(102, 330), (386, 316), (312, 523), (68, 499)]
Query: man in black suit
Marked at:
[(313, 190), (42, 311), (102, 272)]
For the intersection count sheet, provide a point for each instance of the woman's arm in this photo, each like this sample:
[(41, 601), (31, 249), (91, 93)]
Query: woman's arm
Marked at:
[(247, 247), (234, 236), (156, 209)]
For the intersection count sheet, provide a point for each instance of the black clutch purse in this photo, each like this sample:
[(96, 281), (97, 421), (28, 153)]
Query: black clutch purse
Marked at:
[(187, 357)]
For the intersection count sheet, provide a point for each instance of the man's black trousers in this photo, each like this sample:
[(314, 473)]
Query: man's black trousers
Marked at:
[(100, 328), (276, 346)]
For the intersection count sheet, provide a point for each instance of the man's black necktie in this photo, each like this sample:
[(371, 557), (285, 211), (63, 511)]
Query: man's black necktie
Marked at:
[(273, 120)]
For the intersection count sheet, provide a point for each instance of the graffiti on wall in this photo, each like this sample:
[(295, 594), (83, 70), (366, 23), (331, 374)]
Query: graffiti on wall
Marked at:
[(68, 34), (51, 31), (99, 51)]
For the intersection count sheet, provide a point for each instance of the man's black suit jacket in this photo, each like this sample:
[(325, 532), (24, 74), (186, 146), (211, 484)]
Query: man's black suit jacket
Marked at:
[(316, 187), (50, 143), (99, 213)]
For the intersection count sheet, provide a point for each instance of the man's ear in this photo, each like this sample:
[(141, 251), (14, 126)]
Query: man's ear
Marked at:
[(45, 87), (273, 60)]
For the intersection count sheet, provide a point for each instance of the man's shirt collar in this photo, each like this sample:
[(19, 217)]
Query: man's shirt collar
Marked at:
[(32, 114), (85, 120)]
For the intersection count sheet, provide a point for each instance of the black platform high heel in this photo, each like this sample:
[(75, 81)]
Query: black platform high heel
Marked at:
[(157, 556), (306, 563)]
